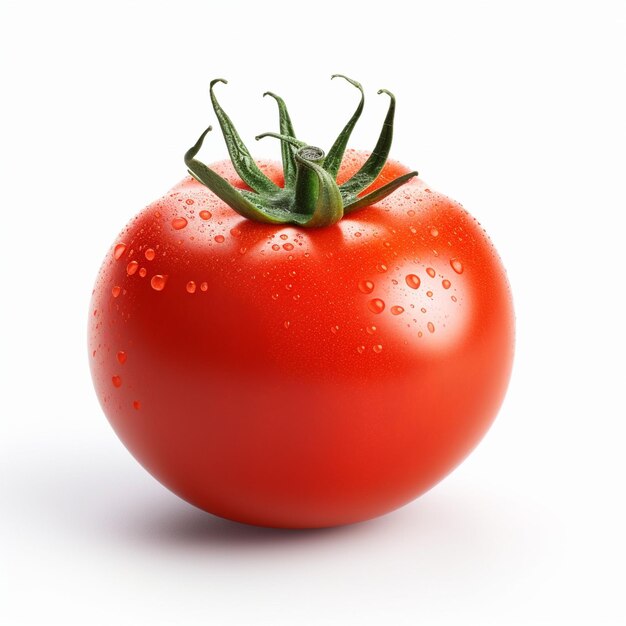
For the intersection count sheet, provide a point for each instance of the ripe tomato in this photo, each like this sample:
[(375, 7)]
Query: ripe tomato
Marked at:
[(295, 377)]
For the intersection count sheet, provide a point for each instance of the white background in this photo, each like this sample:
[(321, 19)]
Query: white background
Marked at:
[(515, 109)]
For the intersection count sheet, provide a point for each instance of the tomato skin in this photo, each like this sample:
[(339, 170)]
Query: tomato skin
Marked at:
[(249, 369)]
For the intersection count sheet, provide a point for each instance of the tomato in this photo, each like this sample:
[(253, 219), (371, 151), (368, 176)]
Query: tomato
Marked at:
[(301, 377)]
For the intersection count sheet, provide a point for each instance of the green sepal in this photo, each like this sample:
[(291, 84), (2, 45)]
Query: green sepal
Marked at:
[(377, 195), (286, 129), (377, 159), (335, 154), (242, 160)]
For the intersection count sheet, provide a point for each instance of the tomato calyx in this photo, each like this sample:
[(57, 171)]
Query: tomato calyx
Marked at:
[(311, 196)]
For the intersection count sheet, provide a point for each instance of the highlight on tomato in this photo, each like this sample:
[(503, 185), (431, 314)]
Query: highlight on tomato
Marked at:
[(301, 346)]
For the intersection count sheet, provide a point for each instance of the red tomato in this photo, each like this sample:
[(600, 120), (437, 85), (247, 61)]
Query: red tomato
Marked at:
[(301, 378), (301, 375)]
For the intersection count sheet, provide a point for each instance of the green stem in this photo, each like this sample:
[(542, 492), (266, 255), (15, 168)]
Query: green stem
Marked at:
[(307, 180)]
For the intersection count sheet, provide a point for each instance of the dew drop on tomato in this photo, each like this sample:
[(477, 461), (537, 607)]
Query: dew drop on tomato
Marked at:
[(205, 215), (360, 349), (366, 286), (431, 327), (136, 405), (191, 287), (371, 330), (117, 381), (430, 271), (121, 357), (434, 232), (446, 283), (376, 305), (413, 281), (132, 267), (457, 266), (381, 267), (119, 250), (178, 223), (377, 348), (396, 310), (288, 246), (204, 286), (157, 282), (142, 272), (116, 291), (150, 254)]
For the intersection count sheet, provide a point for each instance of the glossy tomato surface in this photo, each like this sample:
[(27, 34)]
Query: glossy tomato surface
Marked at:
[(294, 377)]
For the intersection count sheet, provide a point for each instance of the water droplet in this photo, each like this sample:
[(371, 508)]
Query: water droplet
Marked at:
[(219, 238), (334, 329), (274, 296), (413, 281), (189, 201), (191, 287), (283, 236), (431, 272), (119, 250), (360, 349), (381, 267), (377, 348), (453, 298), (204, 286), (205, 215), (142, 272), (446, 284), (275, 247), (396, 310), (366, 286), (296, 297), (288, 246), (178, 223), (116, 291), (371, 330), (287, 324), (121, 357), (292, 273), (132, 267), (423, 309), (157, 282), (420, 334), (150, 254), (376, 305), (429, 294), (431, 327), (434, 232), (136, 405), (427, 191), (288, 286), (117, 381), (457, 266), (410, 212), (235, 232), (357, 234)]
